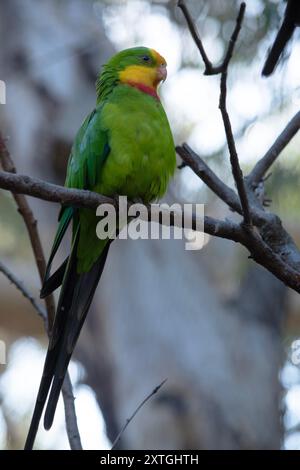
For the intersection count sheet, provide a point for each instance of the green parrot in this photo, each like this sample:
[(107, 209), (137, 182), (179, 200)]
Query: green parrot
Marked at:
[(124, 147)]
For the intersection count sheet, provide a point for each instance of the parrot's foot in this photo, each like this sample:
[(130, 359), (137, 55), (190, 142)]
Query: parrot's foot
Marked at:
[(137, 200)]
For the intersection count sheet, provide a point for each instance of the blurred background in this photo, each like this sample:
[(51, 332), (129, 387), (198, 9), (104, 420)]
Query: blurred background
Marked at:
[(222, 330)]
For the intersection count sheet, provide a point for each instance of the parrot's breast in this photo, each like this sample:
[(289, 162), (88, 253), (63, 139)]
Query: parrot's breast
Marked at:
[(142, 155)]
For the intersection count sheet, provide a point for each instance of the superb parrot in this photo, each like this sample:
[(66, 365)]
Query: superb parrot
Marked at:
[(290, 22), (124, 147)]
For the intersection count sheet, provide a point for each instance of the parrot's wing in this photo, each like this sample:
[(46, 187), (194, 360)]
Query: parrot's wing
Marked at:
[(51, 283), (88, 155)]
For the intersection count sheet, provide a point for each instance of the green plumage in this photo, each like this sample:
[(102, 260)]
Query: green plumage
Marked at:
[(124, 147)]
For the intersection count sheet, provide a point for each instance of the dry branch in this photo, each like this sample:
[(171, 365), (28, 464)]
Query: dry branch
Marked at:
[(268, 242), (211, 69), (223, 69), (264, 164), (37, 188), (201, 169), (128, 420), (24, 291), (234, 159), (273, 261), (31, 225)]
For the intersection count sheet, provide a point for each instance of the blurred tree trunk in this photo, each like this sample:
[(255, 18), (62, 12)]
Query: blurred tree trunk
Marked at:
[(159, 316)]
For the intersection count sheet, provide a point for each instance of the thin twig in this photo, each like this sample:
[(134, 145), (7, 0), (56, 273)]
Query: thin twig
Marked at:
[(201, 169), (70, 414), (234, 160), (211, 69), (263, 165), (234, 36), (128, 420), (31, 225), (26, 293)]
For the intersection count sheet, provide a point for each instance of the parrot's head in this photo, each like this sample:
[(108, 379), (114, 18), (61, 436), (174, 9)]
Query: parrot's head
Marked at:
[(141, 65), (138, 66)]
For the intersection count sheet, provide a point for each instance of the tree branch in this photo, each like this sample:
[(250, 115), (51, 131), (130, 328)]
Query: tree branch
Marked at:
[(269, 244), (210, 69), (201, 169), (234, 160), (234, 37), (227, 229), (26, 293), (21, 184), (274, 239), (70, 414), (264, 164), (128, 420), (82, 198), (261, 252), (31, 225)]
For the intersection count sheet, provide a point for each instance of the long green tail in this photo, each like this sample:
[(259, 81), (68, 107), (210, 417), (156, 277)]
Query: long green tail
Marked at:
[(75, 298)]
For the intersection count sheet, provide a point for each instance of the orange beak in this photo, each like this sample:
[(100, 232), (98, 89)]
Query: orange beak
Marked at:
[(161, 73)]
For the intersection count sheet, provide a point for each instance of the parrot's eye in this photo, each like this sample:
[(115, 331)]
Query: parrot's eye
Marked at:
[(146, 58)]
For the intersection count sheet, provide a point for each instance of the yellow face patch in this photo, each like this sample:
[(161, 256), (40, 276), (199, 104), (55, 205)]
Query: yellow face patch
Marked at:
[(139, 74)]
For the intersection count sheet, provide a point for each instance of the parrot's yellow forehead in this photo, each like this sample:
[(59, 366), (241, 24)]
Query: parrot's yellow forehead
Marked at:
[(159, 59)]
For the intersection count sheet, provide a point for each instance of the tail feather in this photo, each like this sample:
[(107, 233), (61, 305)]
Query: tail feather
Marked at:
[(54, 281), (82, 297), (74, 301), (38, 409), (54, 347), (66, 215)]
